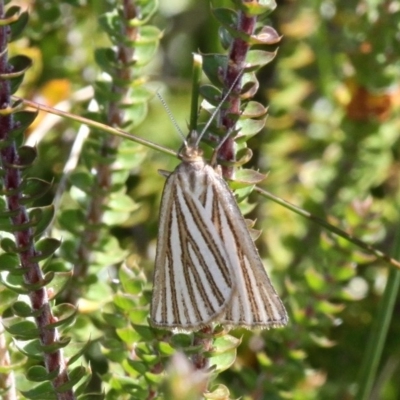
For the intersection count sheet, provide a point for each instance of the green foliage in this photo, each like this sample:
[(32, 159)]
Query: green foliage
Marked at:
[(330, 146)]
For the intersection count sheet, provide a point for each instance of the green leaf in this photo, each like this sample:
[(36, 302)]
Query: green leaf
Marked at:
[(47, 278), (60, 279), (58, 344), (116, 320), (44, 391), (138, 315), (22, 120), (153, 379), (34, 189), (19, 25), (125, 301), (14, 281), (212, 65), (38, 373), (165, 348), (128, 335), (226, 17), (256, 59), (45, 247), (315, 280), (31, 348), (23, 309), (211, 94), (249, 127), (18, 65), (42, 218), (129, 281), (82, 179), (72, 220), (81, 388), (21, 329), (246, 177), (138, 366), (74, 377), (65, 315), (75, 350), (181, 340), (223, 354), (144, 331), (254, 109), (9, 261)]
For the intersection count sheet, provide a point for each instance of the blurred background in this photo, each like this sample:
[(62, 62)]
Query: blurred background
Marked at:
[(330, 146)]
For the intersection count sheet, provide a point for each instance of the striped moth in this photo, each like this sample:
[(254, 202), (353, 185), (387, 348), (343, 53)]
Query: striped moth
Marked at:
[(207, 267)]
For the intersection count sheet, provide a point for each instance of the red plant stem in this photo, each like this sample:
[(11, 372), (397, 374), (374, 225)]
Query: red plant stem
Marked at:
[(24, 239), (235, 67)]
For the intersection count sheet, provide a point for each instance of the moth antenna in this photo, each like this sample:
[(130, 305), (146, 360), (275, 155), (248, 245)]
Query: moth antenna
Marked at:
[(171, 117), (215, 112)]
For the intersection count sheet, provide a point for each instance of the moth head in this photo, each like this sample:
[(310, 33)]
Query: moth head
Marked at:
[(190, 150)]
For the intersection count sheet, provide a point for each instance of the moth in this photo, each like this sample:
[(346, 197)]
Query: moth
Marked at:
[(207, 267)]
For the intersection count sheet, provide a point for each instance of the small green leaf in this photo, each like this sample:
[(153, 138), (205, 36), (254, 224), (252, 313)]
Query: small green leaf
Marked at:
[(19, 65), (14, 281), (138, 366), (64, 314), (145, 332), (226, 16), (116, 320), (46, 247), (74, 377), (42, 217), (31, 348), (19, 25), (22, 120), (44, 391), (21, 329), (254, 109), (38, 373), (128, 335), (181, 341), (22, 309), (26, 156), (83, 180), (72, 220), (61, 343), (165, 349), (212, 65), (211, 94), (33, 189), (129, 281), (246, 177), (9, 261), (256, 59), (60, 279), (154, 379), (46, 279), (75, 350), (124, 301)]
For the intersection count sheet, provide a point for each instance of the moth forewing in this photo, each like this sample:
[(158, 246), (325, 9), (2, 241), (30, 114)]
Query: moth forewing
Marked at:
[(255, 303), (193, 277)]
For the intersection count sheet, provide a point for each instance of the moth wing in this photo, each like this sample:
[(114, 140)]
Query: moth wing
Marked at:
[(255, 303), (193, 276)]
